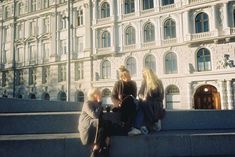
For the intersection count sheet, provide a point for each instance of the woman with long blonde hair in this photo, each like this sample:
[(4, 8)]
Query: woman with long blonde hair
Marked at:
[(151, 96)]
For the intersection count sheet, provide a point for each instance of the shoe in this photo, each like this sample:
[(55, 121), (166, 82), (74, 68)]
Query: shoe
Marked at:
[(134, 132), (144, 130), (157, 126)]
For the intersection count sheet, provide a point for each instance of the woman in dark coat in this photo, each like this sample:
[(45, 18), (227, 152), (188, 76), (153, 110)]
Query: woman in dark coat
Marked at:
[(123, 96), (151, 96)]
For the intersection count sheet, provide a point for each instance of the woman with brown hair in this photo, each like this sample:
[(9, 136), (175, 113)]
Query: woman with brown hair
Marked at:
[(151, 96), (123, 97)]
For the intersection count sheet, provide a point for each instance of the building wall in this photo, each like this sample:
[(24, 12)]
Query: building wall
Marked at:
[(219, 40)]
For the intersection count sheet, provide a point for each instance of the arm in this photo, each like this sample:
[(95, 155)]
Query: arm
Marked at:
[(91, 110), (115, 95), (141, 91)]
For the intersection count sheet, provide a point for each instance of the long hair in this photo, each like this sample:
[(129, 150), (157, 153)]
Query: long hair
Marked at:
[(124, 73), (152, 81)]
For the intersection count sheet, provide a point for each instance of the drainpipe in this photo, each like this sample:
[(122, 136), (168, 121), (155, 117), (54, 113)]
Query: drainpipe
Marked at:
[(14, 47), (68, 59)]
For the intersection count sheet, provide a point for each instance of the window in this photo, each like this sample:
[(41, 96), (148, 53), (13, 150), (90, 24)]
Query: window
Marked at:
[(19, 77), (20, 55), (61, 72), (80, 17), (45, 74), (63, 44), (7, 12), (45, 96), (33, 5), (32, 53), (32, 76), (167, 2), (202, 23), (106, 97), (63, 23), (46, 25), (131, 65), (80, 45), (130, 36), (203, 60), (171, 63), (62, 96), (46, 3), (4, 79), (234, 17), (80, 97), (150, 62), (105, 10), (106, 70), (172, 97), (79, 71), (19, 31), (129, 6), (20, 9), (169, 29), (45, 51), (32, 28), (105, 39), (149, 34), (147, 4), (4, 56)]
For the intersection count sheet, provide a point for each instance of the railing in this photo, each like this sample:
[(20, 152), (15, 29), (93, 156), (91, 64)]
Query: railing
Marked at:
[(147, 11), (129, 15), (167, 7), (169, 41), (232, 30), (101, 20), (103, 51), (202, 35), (199, 1), (149, 44), (129, 47)]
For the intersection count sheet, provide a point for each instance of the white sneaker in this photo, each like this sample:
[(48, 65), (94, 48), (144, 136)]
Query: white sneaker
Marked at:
[(144, 130), (134, 132)]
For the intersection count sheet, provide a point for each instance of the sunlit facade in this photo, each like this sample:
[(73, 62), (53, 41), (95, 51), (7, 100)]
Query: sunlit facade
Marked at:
[(190, 44)]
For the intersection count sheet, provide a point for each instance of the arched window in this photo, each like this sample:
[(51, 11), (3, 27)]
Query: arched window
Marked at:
[(149, 33), (169, 29), (105, 10), (172, 97), (7, 12), (167, 2), (130, 35), (150, 62), (131, 65), (32, 96), (203, 60), (80, 97), (80, 17), (62, 96), (129, 6), (20, 8), (45, 96), (147, 4), (106, 69), (171, 63), (105, 39), (202, 23)]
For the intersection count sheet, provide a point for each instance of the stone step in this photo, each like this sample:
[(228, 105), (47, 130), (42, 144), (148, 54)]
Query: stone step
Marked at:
[(38, 123), (67, 122), (163, 144), (9, 105)]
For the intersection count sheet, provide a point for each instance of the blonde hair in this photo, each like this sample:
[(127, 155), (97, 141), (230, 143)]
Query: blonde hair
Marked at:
[(91, 93), (152, 81), (124, 73)]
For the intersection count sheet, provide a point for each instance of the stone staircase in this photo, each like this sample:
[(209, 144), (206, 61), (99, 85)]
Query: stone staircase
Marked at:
[(35, 128)]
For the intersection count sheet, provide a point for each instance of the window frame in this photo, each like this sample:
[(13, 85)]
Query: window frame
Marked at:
[(169, 29)]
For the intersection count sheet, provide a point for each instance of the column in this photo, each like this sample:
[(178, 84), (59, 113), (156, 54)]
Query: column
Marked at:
[(190, 95), (225, 12), (186, 26), (229, 95), (87, 22), (213, 28), (157, 5), (221, 84), (138, 7)]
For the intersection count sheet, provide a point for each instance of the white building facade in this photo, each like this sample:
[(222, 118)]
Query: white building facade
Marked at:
[(190, 44)]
